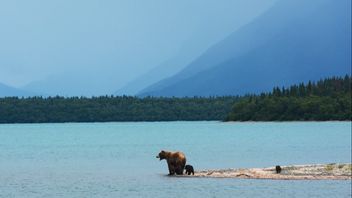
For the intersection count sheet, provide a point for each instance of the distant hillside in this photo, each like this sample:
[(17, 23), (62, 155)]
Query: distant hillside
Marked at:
[(6, 91), (165, 69), (328, 99), (294, 41), (107, 109), (211, 29)]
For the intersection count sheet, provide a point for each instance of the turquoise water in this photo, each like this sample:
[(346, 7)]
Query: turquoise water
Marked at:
[(118, 159)]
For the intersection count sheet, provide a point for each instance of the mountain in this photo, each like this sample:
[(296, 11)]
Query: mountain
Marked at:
[(72, 83), (165, 69), (7, 91), (294, 41), (219, 23)]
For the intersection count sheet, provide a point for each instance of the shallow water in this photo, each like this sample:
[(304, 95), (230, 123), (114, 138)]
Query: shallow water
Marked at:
[(118, 159)]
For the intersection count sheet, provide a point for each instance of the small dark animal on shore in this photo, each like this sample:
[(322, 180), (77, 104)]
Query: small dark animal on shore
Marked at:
[(278, 169), (189, 169)]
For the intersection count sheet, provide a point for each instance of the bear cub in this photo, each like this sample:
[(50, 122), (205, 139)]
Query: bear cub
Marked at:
[(278, 169), (189, 169)]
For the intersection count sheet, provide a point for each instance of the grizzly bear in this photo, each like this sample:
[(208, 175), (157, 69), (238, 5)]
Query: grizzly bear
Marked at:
[(176, 161), (189, 169)]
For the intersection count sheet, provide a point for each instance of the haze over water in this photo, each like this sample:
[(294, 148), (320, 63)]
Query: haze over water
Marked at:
[(118, 159)]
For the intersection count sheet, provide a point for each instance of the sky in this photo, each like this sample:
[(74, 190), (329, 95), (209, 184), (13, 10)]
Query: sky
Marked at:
[(99, 46)]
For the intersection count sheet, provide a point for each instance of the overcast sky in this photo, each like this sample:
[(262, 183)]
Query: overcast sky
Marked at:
[(114, 40)]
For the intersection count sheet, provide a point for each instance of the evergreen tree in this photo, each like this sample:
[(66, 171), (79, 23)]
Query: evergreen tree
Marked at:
[(328, 99)]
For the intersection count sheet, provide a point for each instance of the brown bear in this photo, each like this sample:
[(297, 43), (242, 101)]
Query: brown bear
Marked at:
[(176, 161)]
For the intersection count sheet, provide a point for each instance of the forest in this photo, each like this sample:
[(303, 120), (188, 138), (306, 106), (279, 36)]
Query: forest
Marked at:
[(112, 108), (327, 99)]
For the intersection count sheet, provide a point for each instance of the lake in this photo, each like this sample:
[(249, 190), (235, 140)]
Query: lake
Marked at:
[(119, 159)]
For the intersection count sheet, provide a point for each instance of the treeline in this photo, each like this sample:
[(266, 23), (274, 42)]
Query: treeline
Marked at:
[(111, 108), (328, 99)]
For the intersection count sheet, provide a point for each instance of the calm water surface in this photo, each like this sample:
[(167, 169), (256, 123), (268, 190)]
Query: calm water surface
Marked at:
[(118, 159)]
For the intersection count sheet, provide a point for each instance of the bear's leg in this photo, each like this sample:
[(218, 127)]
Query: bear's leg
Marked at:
[(171, 169), (178, 170)]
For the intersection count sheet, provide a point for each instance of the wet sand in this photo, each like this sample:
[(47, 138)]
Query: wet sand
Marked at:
[(294, 172)]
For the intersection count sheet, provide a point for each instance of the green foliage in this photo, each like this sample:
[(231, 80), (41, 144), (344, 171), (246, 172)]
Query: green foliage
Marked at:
[(328, 99), (110, 108)]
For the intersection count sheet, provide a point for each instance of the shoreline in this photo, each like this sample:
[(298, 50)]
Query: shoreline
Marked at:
[(335, 171), (175, 121)]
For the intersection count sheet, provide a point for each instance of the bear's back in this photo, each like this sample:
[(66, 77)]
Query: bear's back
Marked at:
[(177, 156)]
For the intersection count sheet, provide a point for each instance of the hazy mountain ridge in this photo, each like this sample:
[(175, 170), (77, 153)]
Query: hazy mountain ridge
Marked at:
[(8, 91), (294, 41), (164, 70), (203, 37)]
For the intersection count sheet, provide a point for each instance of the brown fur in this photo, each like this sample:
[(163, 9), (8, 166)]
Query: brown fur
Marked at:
[(176, 161)]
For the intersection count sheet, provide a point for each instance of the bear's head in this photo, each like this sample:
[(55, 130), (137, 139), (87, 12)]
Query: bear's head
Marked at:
[(162, 155)]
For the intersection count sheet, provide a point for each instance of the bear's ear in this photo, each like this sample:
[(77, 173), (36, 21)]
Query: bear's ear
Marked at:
[(162, 151)]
